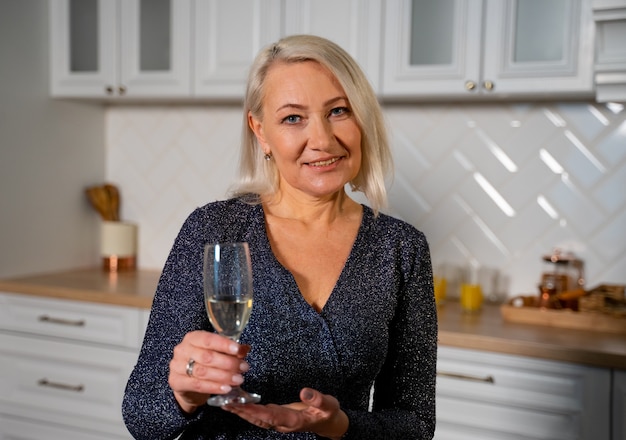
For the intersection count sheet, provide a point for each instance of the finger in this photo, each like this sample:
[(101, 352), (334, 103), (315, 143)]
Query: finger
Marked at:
[(199, 371), (205, 360), (314, 398), (221, 370), (324, 412), (195, 377), (204, 349), (222, 344), (213, 341)]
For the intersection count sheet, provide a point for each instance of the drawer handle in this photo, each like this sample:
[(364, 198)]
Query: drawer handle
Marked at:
[(487, 379), (60, 386), (62, 321)]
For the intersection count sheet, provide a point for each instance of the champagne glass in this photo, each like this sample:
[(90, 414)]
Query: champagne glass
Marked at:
[(228, 299)]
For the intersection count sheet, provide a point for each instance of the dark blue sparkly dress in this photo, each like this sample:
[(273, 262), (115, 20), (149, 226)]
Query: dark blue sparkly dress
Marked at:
[(379, 327)]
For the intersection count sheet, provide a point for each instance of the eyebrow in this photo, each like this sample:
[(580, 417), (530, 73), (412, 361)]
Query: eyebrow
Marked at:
[(301, 107)]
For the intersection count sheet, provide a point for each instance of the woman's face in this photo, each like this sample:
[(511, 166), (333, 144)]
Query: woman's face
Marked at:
[(309, 129)]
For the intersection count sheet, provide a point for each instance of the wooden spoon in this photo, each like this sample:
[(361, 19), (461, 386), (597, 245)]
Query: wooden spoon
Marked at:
[(99, 200), (113, 196)]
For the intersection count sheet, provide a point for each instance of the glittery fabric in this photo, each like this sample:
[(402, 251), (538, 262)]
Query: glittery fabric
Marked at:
[(379, 327)]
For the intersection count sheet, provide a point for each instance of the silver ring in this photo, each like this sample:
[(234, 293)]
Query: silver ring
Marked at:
[(189, 369)]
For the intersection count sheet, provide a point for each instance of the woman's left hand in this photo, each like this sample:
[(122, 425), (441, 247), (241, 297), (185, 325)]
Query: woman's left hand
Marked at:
[(317, 412)]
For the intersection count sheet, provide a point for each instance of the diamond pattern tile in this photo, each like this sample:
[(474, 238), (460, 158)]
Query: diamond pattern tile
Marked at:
[(560, 169)]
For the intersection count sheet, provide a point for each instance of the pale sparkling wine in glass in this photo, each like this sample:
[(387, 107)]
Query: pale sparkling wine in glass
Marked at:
[(229, 317), (228, 298)]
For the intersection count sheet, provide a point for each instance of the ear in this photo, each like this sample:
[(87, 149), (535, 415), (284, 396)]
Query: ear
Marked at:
[(257, 128)]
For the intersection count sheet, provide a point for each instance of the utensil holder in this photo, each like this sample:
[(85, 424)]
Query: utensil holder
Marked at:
[(118, 246)]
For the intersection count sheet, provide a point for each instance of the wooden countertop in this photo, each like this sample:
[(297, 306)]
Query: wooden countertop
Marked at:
[(132, 288), (486, 330)]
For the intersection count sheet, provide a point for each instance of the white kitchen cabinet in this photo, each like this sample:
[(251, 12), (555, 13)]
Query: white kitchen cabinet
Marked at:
[(64, 366), (227, 38), (356, 25), (619, 405), (115, 48), (482, 48), (493, 396), (610, 60)]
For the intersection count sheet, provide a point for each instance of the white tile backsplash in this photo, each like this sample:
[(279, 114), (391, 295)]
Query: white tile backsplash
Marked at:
[(168, 160)]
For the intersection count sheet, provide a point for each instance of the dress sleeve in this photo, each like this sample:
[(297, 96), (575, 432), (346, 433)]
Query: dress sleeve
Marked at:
[(404, 391), (149, 408)]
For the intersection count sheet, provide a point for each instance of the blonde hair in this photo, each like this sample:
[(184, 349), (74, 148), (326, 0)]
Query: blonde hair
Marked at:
[(260, 176)]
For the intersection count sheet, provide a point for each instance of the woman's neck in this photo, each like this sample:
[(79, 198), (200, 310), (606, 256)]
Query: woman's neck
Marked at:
[(309, 209)]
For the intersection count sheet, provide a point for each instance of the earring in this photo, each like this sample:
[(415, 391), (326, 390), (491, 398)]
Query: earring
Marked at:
[(268, 156)]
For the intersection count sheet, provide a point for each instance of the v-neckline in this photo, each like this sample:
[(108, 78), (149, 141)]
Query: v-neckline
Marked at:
[(366, 213)]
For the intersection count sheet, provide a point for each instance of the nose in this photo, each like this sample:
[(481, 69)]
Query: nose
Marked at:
[(320, 133)]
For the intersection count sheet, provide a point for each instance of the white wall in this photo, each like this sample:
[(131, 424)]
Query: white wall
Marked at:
[(49, 152), (170, 159)]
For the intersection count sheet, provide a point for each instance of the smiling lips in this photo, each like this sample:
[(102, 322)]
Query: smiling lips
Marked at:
[(324, 163)]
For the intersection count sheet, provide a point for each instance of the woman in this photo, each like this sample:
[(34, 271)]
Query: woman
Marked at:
[(343, 295)]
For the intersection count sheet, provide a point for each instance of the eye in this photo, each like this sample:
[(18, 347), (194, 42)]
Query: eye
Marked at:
[(340, 111), (291, 119)]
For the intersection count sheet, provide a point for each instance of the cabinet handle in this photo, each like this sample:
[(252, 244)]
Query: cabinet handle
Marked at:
[(108, 90), (60, 386), (62, 321), (488, 85), (121, 90), (487, 379), (470, 85)]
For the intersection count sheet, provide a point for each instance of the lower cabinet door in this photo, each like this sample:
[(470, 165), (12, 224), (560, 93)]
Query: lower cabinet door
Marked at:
[(22, 429), (491, 396), (473, 420), (65, 384)]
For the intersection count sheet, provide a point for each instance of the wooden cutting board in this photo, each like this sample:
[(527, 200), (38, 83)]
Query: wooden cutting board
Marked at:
[(567, 318)]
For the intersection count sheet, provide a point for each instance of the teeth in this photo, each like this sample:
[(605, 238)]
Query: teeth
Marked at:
[(324, 162)]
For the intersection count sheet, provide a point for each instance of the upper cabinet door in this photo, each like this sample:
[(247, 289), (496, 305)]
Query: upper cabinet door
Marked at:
[(83, 47), (610, 57), (432, 48), (108, 48), (471, 48), (355, 25), (228, 35), (539, 47), (155, 48)]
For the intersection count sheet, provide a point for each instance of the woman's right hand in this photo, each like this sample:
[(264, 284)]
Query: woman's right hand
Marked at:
[(219, 364)]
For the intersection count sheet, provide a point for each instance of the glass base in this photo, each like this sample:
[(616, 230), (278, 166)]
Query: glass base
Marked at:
[(236, 396)]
